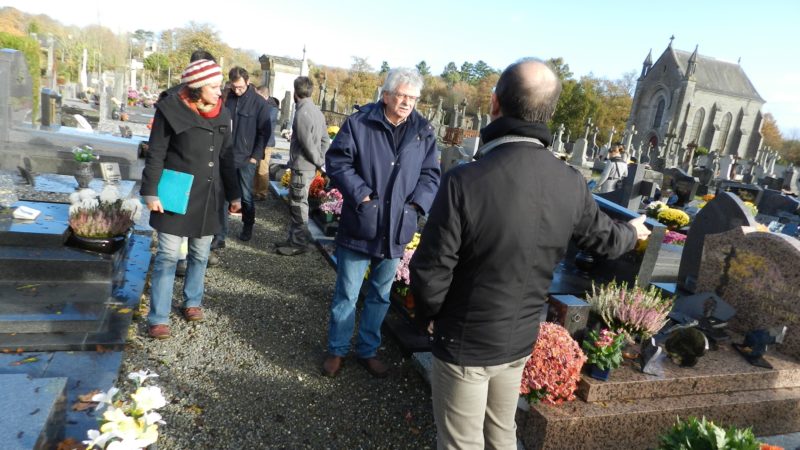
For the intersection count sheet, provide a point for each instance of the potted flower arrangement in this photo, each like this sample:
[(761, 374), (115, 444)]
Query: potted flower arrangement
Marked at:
[(402, 277), (100, 222), (673, 218), (552, 373), (128, 423), (604, 352), (331, 204), (84, 156), (652, 209), (702, 433), (286, 178), (133, 97), (315, 191), (636, 312)]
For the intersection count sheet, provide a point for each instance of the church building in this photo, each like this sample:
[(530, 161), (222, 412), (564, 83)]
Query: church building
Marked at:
[(693, 100)]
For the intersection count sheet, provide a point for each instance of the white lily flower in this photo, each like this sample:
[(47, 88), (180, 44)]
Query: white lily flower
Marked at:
[(142, 375), (148, 398), (97, 439), (127, 444), (153, 418), (104, 398)]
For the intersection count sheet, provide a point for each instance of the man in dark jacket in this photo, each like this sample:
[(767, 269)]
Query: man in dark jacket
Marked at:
[(251, 130), (307, 149), (384, 161), (497, 229)]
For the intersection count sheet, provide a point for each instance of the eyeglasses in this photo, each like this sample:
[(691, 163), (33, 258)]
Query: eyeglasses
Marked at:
[(238, 88), (409, 98)]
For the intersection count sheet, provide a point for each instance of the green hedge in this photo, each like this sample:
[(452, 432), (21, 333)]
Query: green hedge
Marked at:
[(30, 48)]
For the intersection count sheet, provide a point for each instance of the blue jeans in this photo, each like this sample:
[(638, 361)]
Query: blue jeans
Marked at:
[(245, 175), (350, 269), (163, 277)]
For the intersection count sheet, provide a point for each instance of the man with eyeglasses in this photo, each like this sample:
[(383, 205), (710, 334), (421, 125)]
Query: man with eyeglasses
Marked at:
[(251, 131), (384, 161)]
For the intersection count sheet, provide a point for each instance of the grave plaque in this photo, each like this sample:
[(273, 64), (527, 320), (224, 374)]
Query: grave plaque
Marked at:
[(110, 172), (747, 192), (756, 273), (723, 213)]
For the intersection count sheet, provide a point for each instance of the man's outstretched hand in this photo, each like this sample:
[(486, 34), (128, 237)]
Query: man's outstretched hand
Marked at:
[(642, 232)]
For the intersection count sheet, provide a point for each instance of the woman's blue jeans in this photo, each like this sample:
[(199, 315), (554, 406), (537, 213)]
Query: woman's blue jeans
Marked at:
[(163, 277), (350, 269)]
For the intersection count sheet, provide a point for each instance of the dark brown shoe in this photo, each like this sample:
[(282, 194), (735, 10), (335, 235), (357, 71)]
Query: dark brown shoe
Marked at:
[(374, 366), (158, 331), (332, 365), (193, 314)]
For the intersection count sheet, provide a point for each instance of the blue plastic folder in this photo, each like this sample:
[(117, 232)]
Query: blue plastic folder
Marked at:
[(173, 190)]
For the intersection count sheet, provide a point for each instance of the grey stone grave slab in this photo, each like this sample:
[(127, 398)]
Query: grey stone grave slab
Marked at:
[(771, 183), (55, 292), (684, 185), (568, 278), (723, 213), (31, 412), (85, 371), (773, 201), (758, 275), (630, 196), (65, 318), (704, 176), (747, 192), (111, 332), (49, 229)]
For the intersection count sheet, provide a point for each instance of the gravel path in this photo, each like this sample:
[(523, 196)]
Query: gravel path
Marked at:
[(249, 376)]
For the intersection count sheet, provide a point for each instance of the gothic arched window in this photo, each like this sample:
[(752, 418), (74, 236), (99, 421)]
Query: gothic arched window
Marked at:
[(724, 130), (659, 112), (697, 126)]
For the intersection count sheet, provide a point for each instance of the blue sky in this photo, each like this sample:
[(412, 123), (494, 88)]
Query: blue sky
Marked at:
[(604, 38)]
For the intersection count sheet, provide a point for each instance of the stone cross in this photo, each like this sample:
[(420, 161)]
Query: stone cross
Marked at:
[(588, 128), (611, 137), (627, 139), (557, 144), (333, 100)]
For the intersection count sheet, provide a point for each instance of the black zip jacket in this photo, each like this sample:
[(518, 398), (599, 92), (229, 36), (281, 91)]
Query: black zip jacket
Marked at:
[(497, 229)]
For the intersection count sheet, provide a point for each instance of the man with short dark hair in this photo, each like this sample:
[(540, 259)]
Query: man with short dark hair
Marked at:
[(496, 231), (251, 131), (385, 163), (307, 149)]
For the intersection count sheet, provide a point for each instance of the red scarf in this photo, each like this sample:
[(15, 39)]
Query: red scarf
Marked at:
[(210, 114)]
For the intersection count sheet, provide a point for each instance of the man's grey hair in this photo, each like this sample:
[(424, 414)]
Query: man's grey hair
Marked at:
[(532, 97), (402, 75)]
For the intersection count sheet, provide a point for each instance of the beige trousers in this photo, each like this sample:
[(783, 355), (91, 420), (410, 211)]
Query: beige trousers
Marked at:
[(475, 407), (261, 179)]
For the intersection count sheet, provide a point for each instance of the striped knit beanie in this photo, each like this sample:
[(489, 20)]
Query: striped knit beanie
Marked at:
[(201, 73)]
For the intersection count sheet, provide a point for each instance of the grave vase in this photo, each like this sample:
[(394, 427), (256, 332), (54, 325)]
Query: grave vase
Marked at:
[(598, 373), (100, 245), (84, 174), (328, 217)]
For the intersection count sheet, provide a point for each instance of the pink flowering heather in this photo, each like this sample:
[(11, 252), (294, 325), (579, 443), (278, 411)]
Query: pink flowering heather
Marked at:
[(332, 203), (675, 238), (402, 275), (635, 311), (553, 372)]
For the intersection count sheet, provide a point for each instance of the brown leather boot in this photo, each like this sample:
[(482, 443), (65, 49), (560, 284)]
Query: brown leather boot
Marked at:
[(374, 366), (332, 365)]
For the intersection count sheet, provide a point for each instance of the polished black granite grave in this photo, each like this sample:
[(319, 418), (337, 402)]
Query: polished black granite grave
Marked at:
[(49, 229)]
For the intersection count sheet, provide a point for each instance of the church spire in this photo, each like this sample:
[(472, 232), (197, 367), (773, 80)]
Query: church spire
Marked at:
[(647, 64), (691, 67), (671, 38)]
